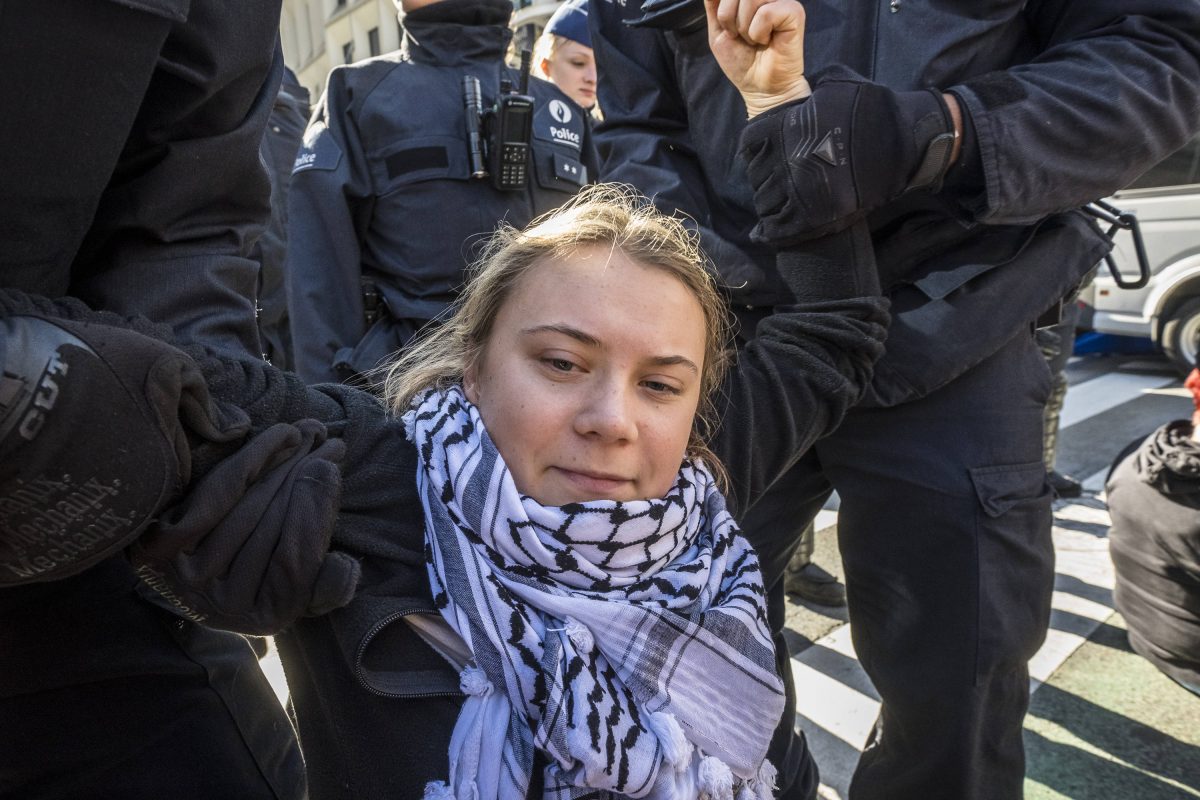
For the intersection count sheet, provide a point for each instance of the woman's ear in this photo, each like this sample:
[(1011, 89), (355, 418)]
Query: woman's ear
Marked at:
[(471, 382), (545, 67)]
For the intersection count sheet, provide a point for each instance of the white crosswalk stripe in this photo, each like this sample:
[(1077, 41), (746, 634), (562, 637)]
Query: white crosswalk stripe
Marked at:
[(1108, 391)]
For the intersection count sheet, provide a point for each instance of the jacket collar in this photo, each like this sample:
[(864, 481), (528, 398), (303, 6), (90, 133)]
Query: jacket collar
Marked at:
[(1169, 460), (458, 31)]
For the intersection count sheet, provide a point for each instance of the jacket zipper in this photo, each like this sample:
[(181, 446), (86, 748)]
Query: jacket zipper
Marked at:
[(362, 646)]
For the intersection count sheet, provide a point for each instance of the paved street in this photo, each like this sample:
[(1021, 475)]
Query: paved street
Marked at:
[(1103, 722)]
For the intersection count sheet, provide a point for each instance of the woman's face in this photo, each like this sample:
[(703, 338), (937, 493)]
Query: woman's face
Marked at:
[(573, 70), (590, 379)]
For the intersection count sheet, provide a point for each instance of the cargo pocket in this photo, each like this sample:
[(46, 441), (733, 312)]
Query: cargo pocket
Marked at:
[(1015, 565)]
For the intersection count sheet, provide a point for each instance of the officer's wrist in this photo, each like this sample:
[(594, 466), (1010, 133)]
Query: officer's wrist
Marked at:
[(758, 103)]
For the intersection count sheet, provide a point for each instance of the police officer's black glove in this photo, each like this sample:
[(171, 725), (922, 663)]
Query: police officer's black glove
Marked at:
[(100, 428), (248, 548), (851, 147)]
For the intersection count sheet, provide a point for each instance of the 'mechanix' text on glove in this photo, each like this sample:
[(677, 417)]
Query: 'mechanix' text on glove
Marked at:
[(98, 429)]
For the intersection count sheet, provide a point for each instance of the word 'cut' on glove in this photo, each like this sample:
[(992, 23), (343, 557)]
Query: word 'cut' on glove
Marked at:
[(849, 148), (95, 424)]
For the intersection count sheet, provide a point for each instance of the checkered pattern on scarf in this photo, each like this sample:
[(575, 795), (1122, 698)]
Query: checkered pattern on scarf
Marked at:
[(626, 640)]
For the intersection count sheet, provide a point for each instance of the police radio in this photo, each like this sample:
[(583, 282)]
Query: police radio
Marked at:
[(499, 138)]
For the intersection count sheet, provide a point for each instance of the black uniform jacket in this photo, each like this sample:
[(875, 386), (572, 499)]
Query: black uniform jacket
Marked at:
[(382, 196), (158, 213), (1065, 101), (1154, 498)]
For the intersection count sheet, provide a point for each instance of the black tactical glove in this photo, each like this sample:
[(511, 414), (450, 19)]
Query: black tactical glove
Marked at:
[(851, 147), (247, 549), (99, 427)]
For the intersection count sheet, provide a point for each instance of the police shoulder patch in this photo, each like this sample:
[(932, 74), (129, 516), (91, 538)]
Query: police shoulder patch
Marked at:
[(559, 121), (319, 150)]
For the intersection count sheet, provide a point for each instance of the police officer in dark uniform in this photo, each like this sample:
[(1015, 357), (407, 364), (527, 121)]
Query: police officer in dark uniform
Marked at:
[(129, 150), (961, 136), (384, 213)]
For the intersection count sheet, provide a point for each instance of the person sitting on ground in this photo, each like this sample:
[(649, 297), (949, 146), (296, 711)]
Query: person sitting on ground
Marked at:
[(1154, 499)]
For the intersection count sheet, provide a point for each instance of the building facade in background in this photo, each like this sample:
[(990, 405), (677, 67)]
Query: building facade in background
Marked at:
[(319, 35)]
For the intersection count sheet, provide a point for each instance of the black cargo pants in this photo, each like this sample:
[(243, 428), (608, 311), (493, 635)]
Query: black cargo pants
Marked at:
[(944, 530)]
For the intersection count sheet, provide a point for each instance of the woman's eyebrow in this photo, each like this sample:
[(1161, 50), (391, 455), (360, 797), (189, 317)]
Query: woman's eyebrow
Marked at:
[(592, 341), (671, 361), (565, 330)]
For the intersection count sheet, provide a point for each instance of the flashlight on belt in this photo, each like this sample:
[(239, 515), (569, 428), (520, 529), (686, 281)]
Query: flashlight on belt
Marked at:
[(473, 104)]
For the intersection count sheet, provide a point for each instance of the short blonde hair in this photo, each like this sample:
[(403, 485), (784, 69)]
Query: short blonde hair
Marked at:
[(608, 215), (545, 48)]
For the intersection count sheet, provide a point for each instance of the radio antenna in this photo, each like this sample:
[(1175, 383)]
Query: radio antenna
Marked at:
[(526, 63)]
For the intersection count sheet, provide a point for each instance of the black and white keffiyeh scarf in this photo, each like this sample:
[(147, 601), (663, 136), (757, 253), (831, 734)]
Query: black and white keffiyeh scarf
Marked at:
[(626, 640)]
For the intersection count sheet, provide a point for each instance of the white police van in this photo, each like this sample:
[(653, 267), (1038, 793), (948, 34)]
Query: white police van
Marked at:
[(1166, 200)]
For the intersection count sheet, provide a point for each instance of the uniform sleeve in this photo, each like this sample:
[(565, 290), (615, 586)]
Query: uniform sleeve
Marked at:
[(328, 203), (809, 362), (1115, 88), (173, 232), (644, 138), (805, 367)]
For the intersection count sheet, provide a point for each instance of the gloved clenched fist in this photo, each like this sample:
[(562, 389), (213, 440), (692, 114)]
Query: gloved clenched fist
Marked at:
[(99, 426), (851, 147)]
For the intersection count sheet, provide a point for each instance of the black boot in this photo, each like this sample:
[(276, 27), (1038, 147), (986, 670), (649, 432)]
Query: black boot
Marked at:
[(1065, 485)]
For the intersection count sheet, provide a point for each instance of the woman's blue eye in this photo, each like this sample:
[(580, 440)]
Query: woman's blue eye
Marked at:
[(560, 364), (660, 387)]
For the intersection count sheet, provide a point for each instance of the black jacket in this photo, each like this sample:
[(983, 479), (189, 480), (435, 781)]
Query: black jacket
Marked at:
[(1154, 499), (381, 190), (156, 209)]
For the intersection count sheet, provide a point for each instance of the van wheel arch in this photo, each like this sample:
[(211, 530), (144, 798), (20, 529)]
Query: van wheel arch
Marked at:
[(1180, 336)]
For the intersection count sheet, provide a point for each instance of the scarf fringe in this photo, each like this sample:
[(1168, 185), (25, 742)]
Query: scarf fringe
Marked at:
[(474, 682), (438, 790), (580, 635), (763, 787), (677, 750), (714, 779)]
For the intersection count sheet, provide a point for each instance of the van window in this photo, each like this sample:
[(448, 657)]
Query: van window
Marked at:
[(1181, 168)]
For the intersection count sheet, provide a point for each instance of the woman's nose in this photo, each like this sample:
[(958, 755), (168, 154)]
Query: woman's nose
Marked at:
[(608, 414)]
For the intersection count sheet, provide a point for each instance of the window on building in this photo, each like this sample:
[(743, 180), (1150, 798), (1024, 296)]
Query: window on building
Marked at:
[(339, 4), (373, 41), (347, 52)]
